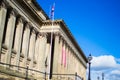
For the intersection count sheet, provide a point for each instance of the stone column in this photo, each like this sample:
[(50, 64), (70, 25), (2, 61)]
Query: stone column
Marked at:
[(35, 56), (56, 53), (25, 44), (70, 63), (63, 57), (9, 35), (66, 66), (47, 56), (73, 63), (37, 50), (41, 53), (3, 12), (68, 60), (32, 48), (64, 62), (60, 55), (18, 40), (76, 62)]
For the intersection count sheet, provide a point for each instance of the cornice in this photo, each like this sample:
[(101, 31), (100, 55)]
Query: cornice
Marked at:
[(38, 7), (25, 10)]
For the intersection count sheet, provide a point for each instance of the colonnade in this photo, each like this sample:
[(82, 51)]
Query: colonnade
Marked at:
[(65, 62), (23, 45)]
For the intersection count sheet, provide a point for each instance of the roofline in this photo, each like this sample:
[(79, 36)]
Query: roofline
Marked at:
[(40, 8)]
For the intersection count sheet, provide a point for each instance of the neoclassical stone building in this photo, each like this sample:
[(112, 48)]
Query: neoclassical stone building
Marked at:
[(34, 47)]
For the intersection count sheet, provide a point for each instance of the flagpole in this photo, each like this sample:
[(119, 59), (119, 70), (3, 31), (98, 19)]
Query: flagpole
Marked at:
[(52, 15)]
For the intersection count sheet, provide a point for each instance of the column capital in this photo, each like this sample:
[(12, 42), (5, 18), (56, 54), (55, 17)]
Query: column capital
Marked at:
[(21, 19), (13, 12), (33, 30), (69, 47), (57, 34), (39, 34), (3, 5), (61, 38), (66, 44), (43, 34), (28, 25)]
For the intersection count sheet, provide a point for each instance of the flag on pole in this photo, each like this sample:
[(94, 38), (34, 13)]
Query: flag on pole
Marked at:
[(52, 12), (52, 18)]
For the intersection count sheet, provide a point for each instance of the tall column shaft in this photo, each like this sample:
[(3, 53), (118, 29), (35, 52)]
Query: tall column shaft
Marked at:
[(9, 35), (66, 57), (41, 53), (32, 48), (56, 52), (3, 12), (47, 57), (36, 58), (25, 44), (63, 57), (60, 55), (70, 65), (18, 40), (68, 60)]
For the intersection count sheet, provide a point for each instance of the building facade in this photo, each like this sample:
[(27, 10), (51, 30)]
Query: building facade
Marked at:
[(34, 47)]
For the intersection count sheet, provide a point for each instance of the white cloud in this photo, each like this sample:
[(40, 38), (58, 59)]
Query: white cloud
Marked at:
[(106, 64), (103, 62), (117, 72)]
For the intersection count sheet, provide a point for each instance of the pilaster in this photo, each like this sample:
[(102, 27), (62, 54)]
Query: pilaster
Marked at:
[(9, 35), (47, 55), (56, 53), (18, 40), (63, 57), (41, 53), (71, 62), (66, 57), (3, 12), (32, 47), (25, 44), (37, 49), (60, 55), (68, 60), (35, 56)]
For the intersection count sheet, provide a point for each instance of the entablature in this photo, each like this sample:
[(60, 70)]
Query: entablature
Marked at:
[(25, 9)]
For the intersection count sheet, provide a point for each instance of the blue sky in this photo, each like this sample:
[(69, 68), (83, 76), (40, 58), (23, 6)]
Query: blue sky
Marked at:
[(95, 24)]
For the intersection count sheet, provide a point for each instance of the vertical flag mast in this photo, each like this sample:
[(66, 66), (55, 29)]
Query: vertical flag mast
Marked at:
[(52, 18)]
